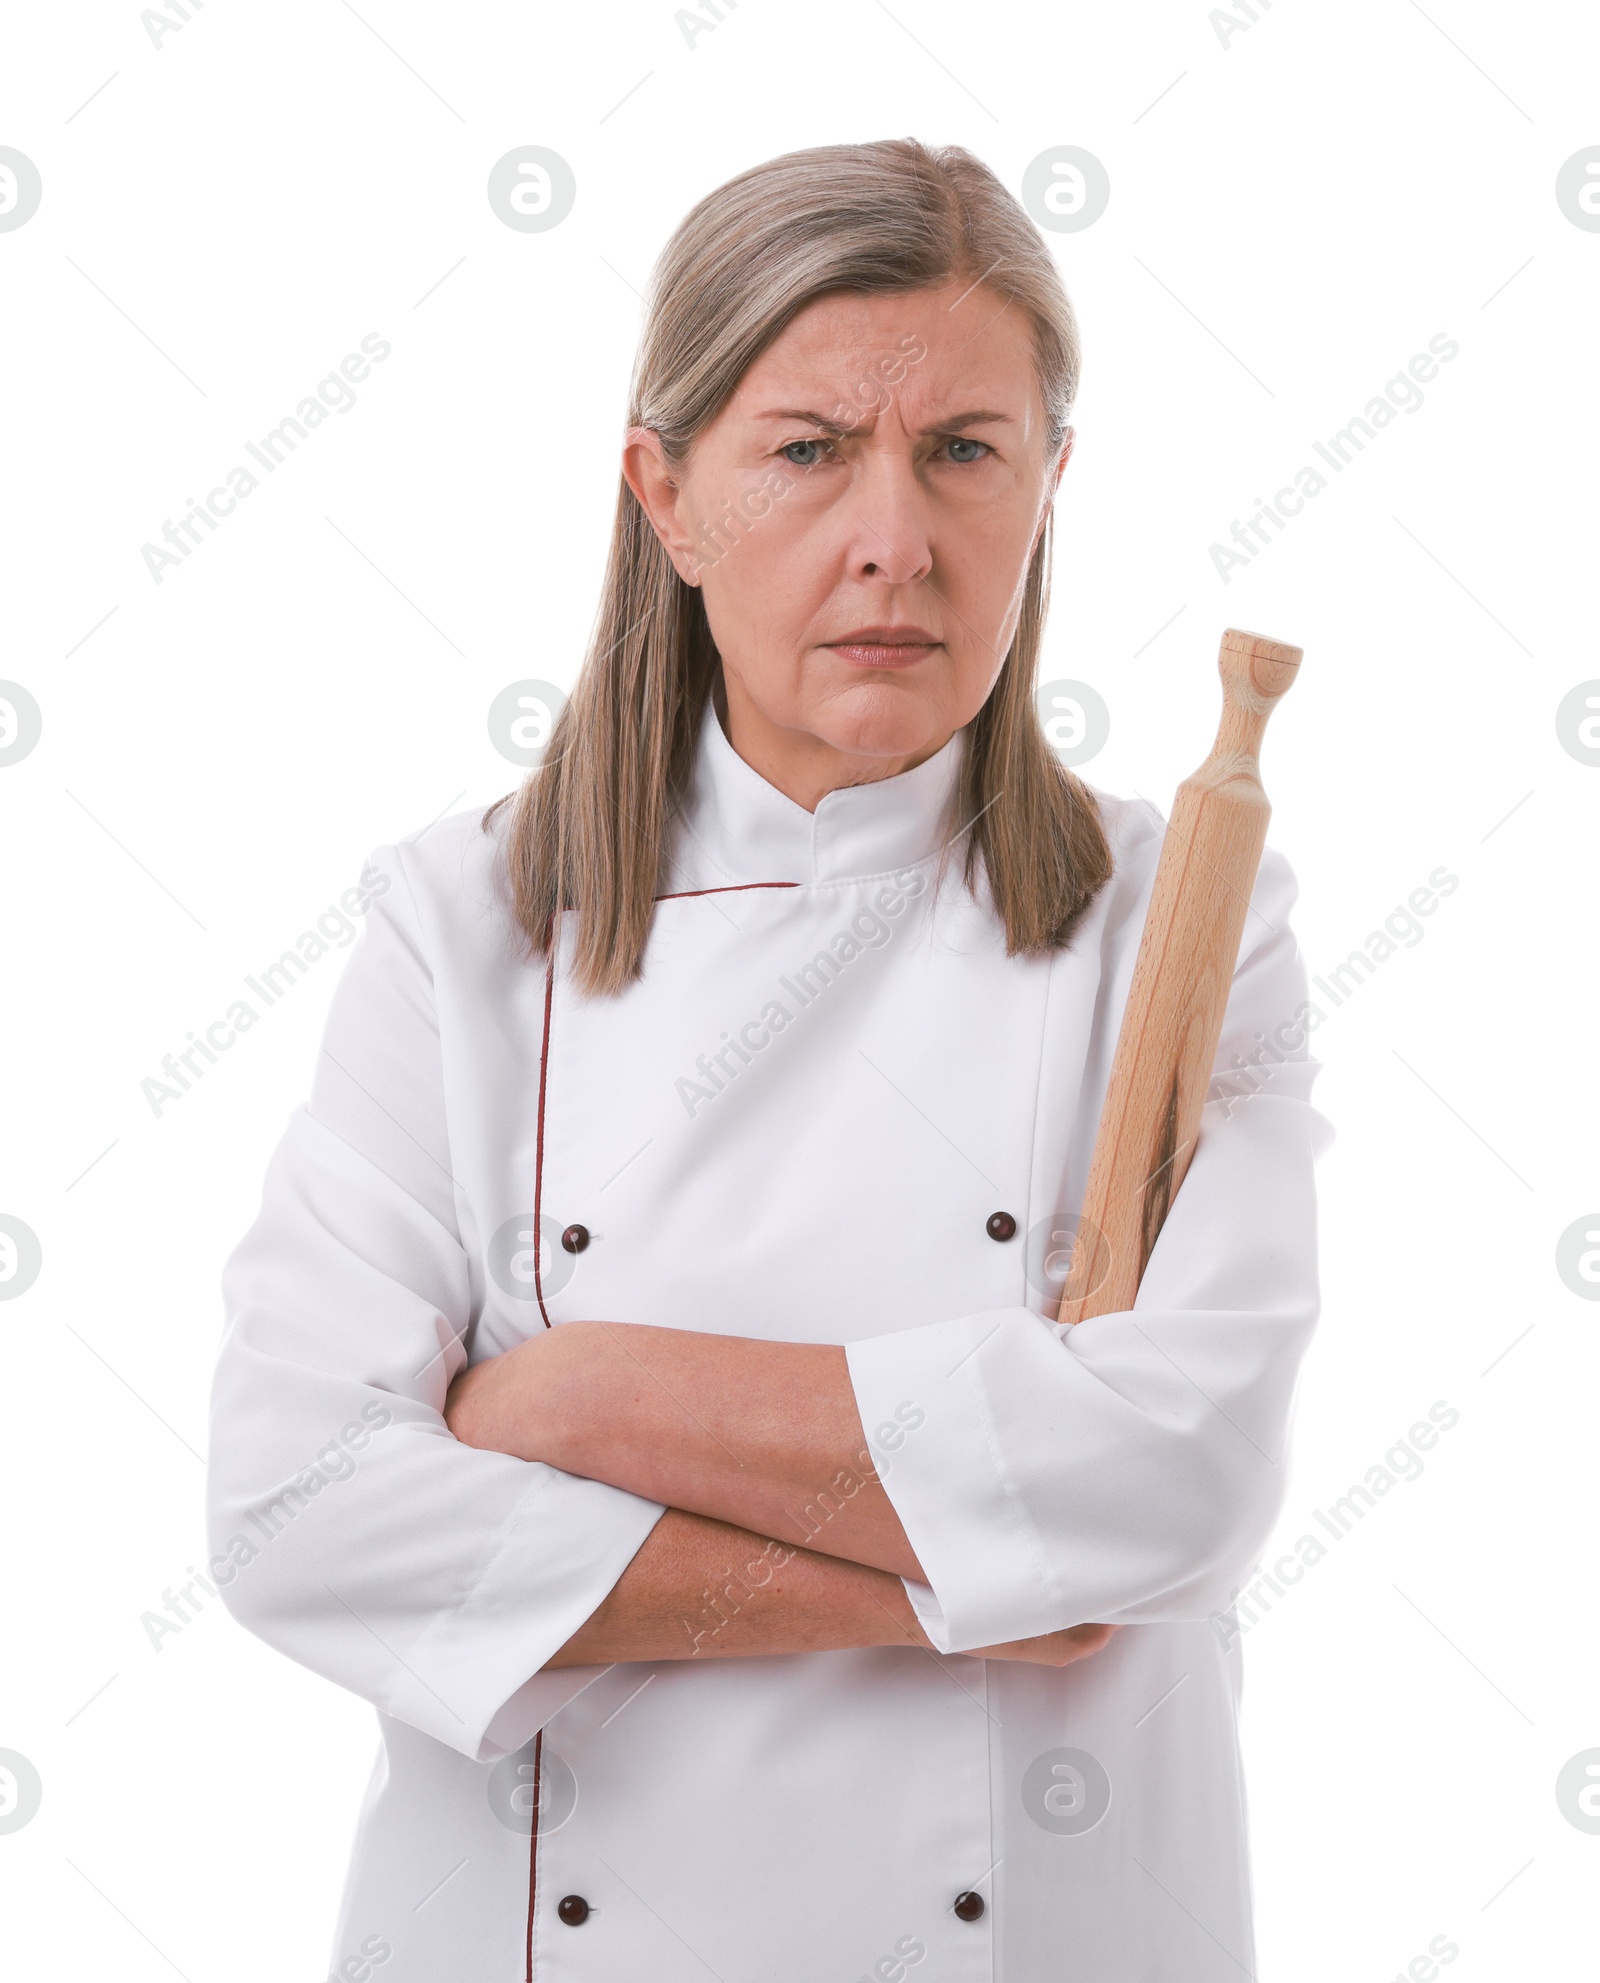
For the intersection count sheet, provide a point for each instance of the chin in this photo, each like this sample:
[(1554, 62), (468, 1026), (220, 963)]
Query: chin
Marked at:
[(883, 740), (881, 719)]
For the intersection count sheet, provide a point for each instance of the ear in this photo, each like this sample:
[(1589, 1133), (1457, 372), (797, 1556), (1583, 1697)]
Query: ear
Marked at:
[(1062, 459), (651, 478), (1053, 483)]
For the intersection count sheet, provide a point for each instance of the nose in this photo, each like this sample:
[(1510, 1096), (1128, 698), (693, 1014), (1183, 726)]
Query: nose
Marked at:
[(891, 529)]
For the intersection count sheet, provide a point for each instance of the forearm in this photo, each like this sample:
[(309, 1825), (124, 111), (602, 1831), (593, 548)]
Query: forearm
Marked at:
[(705, 1589), (760, 1434)]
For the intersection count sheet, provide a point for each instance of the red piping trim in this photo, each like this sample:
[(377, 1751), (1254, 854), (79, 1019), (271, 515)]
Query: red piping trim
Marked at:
[(533, 1850), (733, 888), (538, 1160), (538, 1202)]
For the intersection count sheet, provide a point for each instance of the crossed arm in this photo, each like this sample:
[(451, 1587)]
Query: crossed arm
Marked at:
[(758, 1452)]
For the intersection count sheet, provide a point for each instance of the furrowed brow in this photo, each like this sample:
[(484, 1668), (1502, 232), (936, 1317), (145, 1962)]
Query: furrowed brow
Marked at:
[(800, 413), (959, 420), (951, 426)]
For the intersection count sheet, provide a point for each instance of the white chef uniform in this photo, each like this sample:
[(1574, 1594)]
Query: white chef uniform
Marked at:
[(798, 1126)]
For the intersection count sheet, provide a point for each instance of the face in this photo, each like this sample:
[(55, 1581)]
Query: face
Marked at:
[(860, 517)]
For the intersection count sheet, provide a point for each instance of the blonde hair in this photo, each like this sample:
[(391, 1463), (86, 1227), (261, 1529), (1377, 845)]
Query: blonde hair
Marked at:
[(590, 825)]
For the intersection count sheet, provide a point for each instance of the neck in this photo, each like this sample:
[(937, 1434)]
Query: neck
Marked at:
[(798, 763)]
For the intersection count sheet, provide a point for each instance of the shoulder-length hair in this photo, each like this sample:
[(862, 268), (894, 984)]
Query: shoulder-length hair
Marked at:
[(590, 825)]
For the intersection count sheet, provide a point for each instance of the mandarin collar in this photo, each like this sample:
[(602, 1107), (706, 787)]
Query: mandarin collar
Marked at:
[(736, 829)]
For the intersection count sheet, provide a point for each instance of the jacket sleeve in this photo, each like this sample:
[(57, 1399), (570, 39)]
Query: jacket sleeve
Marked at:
[(1127, 1470), (348, 1527)]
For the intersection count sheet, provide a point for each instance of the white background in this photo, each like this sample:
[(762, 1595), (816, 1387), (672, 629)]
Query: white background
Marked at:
[(1293, 215)]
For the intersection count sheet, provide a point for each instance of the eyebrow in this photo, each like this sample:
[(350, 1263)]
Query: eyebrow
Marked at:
[(950, 426)]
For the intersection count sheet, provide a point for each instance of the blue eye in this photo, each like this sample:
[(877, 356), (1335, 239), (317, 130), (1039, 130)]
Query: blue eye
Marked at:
[(788, 452), (961, 441)]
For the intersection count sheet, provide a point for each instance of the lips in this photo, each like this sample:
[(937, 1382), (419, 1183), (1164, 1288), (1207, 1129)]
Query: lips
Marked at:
[(885, 646)]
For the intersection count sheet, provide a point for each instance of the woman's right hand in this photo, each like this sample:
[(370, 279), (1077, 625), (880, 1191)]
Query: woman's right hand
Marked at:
[(1050, 1648)]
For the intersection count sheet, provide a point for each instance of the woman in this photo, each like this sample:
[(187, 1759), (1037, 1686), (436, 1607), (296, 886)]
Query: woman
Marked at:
[(642, 1380)]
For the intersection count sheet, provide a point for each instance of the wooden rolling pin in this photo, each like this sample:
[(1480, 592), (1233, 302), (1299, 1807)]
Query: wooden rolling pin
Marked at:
[(1168, 1043)]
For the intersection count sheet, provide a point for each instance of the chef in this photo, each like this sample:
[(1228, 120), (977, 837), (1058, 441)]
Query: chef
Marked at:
[(641, 1380)]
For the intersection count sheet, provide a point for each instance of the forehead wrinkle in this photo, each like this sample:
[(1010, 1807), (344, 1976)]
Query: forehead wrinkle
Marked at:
[(978, 417), (1027, 419), (811, 366)]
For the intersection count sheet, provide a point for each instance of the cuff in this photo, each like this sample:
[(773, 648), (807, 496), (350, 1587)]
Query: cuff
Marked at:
[(473, 1680), (534, 1703), (930, 1614), (988, 1577)]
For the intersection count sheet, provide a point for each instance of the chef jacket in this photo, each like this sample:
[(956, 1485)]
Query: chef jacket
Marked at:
[(800, 1124)]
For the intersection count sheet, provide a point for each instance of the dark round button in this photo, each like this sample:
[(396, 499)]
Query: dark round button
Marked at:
[(968, 1906), (576, 1238), (1001, 1226), (574, 1909)]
